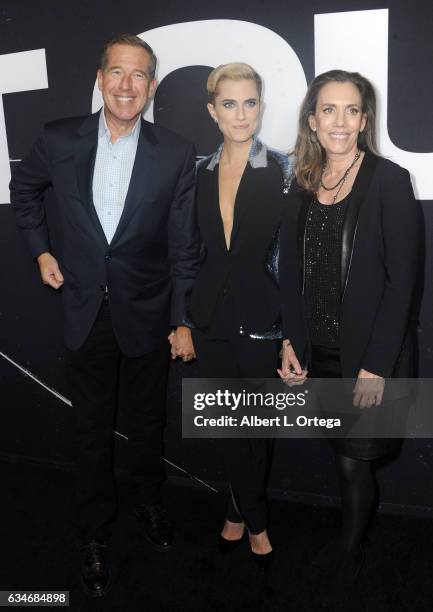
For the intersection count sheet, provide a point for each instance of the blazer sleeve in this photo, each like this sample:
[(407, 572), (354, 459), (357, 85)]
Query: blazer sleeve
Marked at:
[(400, 217), (183, 240), (30, 179), (290, 277)]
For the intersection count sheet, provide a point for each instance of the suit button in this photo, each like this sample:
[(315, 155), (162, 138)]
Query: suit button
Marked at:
[(241, 330), (107, 257)]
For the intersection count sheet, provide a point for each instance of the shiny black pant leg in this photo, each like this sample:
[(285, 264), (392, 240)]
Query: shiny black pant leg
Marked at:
[(247, 461), (356, 474)]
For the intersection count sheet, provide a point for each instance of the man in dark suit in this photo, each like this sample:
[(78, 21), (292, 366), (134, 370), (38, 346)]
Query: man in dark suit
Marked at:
[(125, 190)]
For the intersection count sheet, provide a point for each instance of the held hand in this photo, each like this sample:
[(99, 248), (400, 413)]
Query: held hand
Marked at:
[(368, 389), (172, 340), (291, 371), (181, 344), (50, 271)]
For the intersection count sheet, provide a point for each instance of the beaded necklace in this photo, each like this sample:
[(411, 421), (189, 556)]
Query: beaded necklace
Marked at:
[(342, 180)]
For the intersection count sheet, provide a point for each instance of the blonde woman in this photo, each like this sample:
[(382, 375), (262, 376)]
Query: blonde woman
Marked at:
[(349, 245), (235, 308)]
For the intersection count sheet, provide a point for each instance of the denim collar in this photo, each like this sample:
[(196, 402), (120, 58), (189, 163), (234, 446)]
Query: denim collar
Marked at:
[(257, 157)]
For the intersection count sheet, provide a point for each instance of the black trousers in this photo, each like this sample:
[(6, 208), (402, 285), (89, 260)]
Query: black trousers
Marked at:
[(101, 379), (247, 461)]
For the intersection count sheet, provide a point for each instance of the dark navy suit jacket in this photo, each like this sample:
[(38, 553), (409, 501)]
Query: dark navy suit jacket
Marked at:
[(151, 262)]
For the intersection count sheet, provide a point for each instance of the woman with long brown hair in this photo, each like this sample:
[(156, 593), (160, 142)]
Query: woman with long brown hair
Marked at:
[(349, 247)]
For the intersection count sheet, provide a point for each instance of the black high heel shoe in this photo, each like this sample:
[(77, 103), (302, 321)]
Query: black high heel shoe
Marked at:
[(263, 562), (228, 546)]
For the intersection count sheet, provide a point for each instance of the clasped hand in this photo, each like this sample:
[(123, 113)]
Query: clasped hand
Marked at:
[(181, 344), (291, 372)]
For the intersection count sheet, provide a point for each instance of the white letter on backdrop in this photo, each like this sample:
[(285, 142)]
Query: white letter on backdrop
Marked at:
[(358, 41), (18, 72)]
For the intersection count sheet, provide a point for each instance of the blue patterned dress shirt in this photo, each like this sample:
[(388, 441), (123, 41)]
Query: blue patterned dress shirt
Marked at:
[(112, 174)]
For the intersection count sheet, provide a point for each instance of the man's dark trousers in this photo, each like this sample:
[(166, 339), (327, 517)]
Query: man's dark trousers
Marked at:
[(148, 269), (98, 375)]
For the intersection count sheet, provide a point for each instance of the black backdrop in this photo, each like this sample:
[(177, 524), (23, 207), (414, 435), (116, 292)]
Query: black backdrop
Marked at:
[(37, 425)]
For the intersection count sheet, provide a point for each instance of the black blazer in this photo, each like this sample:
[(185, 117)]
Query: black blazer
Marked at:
[(379, 263), (248, 269), (151, 262)]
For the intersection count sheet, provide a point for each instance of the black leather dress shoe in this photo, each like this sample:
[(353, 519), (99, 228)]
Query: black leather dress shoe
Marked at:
[(95, 568), (156, 526)]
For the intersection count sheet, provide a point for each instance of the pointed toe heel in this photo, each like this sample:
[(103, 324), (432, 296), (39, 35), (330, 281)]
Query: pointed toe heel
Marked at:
[(228, 546), (263, 562)]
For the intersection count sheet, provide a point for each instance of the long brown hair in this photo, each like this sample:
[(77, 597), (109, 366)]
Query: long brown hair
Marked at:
[(309, 154)]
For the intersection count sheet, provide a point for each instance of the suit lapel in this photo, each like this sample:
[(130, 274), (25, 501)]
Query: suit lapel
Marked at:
[(209, 212), (217, 220), (144, 173), (85, 156), (304, 202), (246, 194), (240, 204), (84, 159), (357, 197)]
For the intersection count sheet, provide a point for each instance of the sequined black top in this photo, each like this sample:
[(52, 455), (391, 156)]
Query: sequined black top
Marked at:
[(323, 235)]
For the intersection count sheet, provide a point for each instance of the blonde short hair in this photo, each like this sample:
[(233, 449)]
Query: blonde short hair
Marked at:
[(234, 72)]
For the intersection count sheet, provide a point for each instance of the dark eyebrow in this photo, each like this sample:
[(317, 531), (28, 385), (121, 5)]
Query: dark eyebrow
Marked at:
[(247, 100), (348, 105), (120, 68)]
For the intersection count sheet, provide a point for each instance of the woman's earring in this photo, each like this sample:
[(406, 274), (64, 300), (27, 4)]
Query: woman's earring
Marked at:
[(215, 119), (313, 137)]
